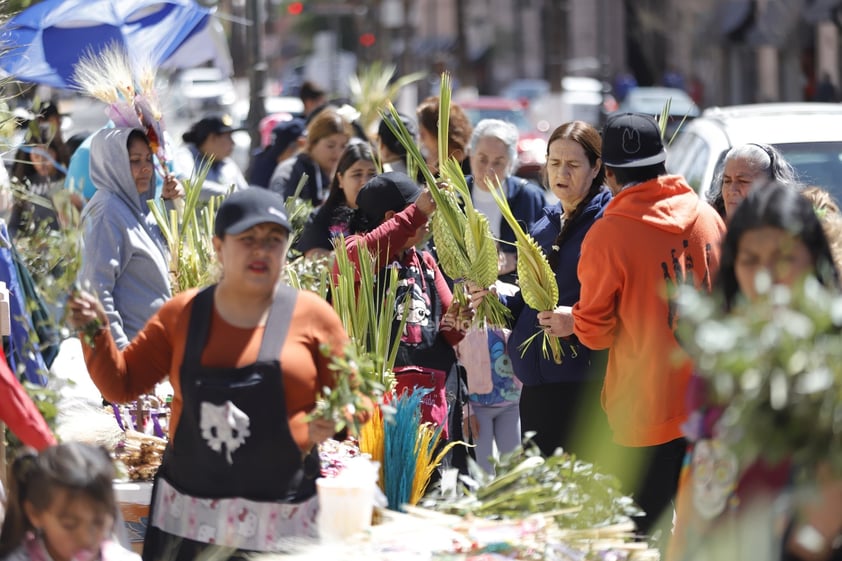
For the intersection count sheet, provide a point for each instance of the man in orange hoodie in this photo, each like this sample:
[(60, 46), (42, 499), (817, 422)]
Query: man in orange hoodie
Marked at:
[(655, 235)]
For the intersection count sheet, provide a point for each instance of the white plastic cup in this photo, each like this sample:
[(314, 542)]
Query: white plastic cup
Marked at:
[(345, 507)]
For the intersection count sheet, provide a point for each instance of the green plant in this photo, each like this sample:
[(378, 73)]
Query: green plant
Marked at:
[(663, 119), (462, 236), (774, 368), (51, 254), (188, 230), (309, 273), (570, 490), (356, 380), (298, 211), (373, 87), (366, 303)]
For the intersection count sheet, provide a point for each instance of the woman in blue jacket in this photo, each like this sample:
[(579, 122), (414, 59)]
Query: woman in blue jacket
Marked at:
[(560, 402)]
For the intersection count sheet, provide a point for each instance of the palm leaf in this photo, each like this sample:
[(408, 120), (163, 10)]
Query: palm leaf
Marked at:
[(188, 231), (373, 86)]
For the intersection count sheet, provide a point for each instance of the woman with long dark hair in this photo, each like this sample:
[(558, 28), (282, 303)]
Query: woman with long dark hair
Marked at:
[(332, 218), (774, 238)]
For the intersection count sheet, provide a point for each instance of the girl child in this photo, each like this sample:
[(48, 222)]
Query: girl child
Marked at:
[(355, 168), (774, 231), (61, 507), (391, 220)]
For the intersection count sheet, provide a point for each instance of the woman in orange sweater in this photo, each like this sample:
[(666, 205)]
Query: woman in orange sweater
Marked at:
[(245, 362)]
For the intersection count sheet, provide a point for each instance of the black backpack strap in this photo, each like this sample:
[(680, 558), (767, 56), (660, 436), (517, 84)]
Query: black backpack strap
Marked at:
[(199, 325)]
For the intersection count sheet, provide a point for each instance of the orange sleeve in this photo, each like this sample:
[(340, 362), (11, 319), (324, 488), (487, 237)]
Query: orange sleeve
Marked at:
[(158, 351), (601, 277), (146, 361), (304, 368)]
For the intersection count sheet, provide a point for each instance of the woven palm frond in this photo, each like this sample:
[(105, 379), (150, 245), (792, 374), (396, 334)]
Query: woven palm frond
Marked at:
[(536, 278)]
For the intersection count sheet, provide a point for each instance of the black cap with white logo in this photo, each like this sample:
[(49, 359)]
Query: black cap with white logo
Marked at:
[(632, 140)]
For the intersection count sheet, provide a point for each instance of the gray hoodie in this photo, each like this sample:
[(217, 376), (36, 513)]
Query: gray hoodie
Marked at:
[(124, 255)]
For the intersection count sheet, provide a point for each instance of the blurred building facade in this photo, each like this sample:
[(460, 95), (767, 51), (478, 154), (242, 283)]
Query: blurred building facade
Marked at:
[(721, 51)]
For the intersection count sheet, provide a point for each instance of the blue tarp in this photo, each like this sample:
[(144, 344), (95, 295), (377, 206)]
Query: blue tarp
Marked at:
[(24, 348), (45, 41)]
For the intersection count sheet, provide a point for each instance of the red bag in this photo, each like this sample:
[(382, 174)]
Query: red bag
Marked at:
[(434, 403)]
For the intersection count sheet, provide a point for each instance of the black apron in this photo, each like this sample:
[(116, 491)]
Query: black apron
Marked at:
[(233, 437)]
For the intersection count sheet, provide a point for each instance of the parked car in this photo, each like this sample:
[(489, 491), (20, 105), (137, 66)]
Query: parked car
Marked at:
[(532, 144), (198, 91), (525, 89), (272, 104), (809, 135), (652, 100), (580, 99)]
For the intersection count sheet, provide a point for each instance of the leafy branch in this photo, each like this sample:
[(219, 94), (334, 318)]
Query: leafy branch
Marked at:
[(774, 368)]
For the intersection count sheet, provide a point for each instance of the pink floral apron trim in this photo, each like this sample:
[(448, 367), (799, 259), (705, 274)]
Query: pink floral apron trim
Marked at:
[(233, 522)]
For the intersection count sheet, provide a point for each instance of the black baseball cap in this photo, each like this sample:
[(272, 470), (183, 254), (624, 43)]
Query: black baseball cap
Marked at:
[(249, 207), (284, 134), (215, 124), (392, 190), (388, 138), (632, 140)]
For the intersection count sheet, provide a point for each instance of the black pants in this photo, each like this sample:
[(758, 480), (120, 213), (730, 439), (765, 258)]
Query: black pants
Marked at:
[(650, 475), (566, 415)]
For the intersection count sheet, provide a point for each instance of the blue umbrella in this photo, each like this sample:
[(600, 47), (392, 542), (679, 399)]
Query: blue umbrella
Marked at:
[(45, 41)]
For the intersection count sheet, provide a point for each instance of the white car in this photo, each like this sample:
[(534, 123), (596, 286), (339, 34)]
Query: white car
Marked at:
[(200, 91), (653, 101), (809, 135), (580, 98), (272, 104)]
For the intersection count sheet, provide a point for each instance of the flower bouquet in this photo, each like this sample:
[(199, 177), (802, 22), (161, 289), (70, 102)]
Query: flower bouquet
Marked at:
[(772, 371)]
